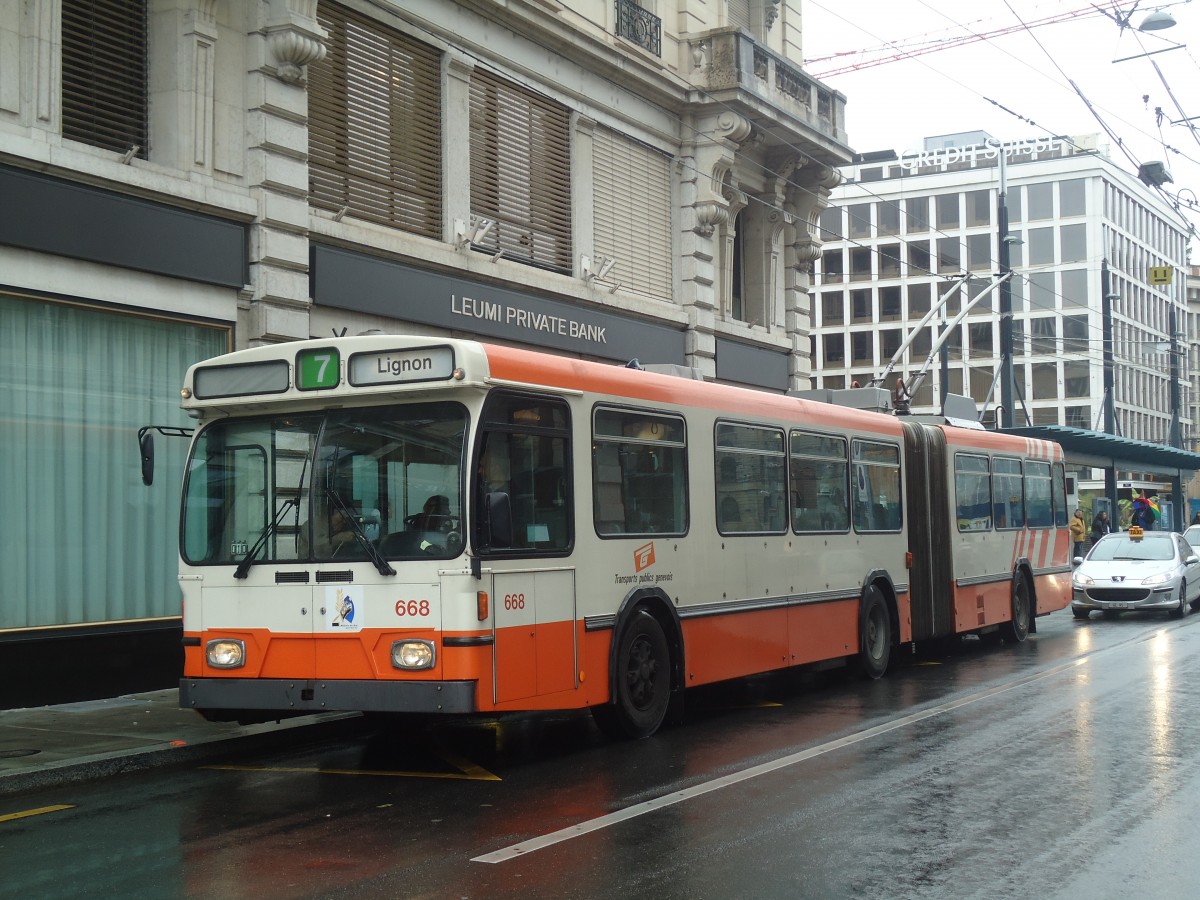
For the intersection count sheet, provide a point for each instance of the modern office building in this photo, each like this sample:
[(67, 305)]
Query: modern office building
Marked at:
[(184, 177), (901, 230)]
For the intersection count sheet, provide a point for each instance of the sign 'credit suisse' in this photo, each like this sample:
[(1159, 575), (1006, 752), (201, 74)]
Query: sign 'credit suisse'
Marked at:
[(397, 366)]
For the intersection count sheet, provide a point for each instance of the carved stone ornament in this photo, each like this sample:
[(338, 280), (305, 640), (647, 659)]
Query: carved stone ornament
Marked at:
[(771, 13), (709, 216), (293, 49)]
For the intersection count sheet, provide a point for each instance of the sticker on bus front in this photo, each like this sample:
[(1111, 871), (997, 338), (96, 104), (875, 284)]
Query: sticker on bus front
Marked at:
[(343, 608)]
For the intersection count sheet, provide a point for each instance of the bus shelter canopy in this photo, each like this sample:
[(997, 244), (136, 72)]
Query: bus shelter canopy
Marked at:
[(1097, 448)]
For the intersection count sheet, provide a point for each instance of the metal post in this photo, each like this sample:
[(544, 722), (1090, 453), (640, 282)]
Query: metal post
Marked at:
[(944, 369), (1179, 502), (1110, 409), (1007, 387), (1175, 437)]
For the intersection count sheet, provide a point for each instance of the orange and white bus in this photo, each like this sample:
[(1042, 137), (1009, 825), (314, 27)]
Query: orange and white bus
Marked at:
[(402, 524)]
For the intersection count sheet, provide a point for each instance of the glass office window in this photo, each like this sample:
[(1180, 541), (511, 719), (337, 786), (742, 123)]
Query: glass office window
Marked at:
[(947, 211), (1041, 201)]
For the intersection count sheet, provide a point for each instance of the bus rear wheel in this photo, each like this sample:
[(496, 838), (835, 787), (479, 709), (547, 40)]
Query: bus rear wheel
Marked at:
[(642, 682), (875, 634), (1017, 629)]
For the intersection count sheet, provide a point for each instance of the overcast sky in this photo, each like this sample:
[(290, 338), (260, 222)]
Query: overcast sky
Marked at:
[(1028, 73)]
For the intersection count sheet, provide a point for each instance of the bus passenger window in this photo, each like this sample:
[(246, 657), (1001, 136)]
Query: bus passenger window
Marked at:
[(639, 473), (877, 499), (819, 474), (752, 472), (973, 492)]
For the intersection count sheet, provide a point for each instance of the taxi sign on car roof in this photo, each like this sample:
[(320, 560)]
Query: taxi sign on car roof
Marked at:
[(1136, 533)]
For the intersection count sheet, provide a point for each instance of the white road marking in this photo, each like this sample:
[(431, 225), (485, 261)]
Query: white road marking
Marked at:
[(565, 834)]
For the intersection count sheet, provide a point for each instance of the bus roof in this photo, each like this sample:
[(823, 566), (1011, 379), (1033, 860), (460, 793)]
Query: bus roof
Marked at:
[(371, 368)]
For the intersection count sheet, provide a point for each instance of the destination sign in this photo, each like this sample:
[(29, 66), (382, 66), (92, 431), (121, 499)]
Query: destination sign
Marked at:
[(401, 366), (241, 380)]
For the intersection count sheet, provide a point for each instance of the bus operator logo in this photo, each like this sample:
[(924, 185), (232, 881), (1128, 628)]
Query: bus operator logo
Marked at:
[(643, 557)]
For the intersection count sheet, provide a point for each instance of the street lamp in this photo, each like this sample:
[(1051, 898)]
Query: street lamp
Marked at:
[(1157, 21)]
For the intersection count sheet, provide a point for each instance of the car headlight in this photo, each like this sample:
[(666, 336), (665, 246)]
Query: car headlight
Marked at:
[(1161, 578), (1081, 580), (412, 654), (226, 653)]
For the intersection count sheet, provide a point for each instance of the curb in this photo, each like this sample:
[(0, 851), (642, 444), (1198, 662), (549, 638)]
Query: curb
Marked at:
[(312, 729)]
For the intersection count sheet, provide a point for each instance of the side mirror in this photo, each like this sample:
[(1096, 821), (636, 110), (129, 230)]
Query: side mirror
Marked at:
[(499, 520), (1192, 560), (146, 446)]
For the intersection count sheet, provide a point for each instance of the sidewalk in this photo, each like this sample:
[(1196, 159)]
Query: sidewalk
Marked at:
[(49, 745)]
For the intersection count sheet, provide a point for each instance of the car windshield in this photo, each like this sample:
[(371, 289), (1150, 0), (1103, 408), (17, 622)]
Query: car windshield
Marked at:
[(1123, 547), (1192, 535)]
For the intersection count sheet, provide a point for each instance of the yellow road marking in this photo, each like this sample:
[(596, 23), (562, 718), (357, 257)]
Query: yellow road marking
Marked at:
[(42, 810)]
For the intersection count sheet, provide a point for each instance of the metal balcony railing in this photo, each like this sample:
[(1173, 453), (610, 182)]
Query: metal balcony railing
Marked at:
[(640, 26)]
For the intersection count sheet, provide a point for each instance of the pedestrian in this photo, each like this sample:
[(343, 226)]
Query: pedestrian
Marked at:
[(1099, 526), (1196, 518), (1143, 515), (1079, 532)]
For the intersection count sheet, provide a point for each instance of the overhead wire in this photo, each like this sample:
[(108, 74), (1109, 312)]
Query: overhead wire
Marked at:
[(765, 170)]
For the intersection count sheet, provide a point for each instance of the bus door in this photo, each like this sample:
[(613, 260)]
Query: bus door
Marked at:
[(524, 533), (534, 636)]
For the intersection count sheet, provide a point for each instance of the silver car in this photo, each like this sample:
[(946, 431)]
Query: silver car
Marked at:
[(1154, 570), (1192, 535)]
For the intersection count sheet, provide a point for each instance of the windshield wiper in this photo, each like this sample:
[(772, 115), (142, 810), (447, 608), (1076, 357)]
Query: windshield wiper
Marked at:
[(243, 568), (359, 535)]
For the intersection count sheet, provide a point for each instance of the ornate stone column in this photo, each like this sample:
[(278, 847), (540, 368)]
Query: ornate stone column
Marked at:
[(288, 40), (807, 195), (706, 167)]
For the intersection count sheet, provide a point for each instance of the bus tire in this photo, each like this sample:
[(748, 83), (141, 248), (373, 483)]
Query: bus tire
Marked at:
[(874, 634), (1017, 628), (641, 682)]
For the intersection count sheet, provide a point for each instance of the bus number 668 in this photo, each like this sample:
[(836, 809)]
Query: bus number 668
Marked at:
[(514, 601), (412, 607)]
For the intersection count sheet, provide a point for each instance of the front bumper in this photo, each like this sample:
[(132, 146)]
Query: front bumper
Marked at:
[(298, 696), (1125, 598)]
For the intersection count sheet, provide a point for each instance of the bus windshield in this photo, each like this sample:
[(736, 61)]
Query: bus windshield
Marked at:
[(347, 484)]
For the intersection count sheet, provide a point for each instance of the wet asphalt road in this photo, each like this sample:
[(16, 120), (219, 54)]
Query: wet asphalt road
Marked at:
[(1064, 767)]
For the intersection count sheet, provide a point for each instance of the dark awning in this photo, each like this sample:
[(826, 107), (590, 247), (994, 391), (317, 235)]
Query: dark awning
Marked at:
[(1096, 448)]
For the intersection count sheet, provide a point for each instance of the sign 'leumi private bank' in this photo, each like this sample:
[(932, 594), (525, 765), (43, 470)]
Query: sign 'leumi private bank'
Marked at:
[(345, 279)]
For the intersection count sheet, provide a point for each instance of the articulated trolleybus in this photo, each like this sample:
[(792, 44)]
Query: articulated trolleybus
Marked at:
[(399, 524)]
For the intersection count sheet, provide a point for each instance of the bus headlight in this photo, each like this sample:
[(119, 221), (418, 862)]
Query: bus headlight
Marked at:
[(412, 654), (226, 653)]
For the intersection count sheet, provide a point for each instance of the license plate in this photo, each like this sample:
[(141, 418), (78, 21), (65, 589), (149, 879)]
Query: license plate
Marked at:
[(1117, 605)]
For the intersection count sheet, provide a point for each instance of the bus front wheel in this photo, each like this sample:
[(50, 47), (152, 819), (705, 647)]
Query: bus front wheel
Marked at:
[(641, 683), (875, 634)]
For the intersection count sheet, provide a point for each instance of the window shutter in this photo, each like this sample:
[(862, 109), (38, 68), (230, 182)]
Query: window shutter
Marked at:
[(738, 13), (521, 172), (374, 132), (104, 90), (632, 199)]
